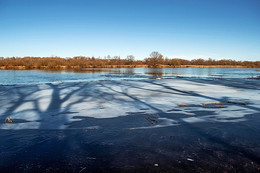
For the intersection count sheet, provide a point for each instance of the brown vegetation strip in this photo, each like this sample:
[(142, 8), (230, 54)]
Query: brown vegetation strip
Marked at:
[(214, 104), (183, 105), (155, 60), (236, 103), (151, 120)]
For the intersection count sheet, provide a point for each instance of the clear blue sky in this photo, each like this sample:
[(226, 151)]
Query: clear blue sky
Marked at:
[(176, 28)]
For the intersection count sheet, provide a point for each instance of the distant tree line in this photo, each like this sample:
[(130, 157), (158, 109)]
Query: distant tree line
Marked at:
[(154, 60)]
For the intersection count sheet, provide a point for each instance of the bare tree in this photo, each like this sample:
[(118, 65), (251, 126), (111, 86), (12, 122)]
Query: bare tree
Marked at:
[(130, 59), (155, 59)]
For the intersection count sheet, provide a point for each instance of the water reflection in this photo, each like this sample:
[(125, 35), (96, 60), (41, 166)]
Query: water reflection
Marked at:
[(129, 71), (85, 70), (155, 72)]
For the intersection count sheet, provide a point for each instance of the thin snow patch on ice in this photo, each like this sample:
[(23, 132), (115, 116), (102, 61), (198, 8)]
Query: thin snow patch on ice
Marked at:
[(20, 126), (163, 122), (193, 120)]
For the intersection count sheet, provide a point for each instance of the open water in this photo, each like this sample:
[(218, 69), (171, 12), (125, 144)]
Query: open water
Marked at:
[(13, 77)]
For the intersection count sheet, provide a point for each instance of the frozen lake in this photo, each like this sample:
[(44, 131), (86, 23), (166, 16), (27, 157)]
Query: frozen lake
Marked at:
[(167, 125), (11, 77)]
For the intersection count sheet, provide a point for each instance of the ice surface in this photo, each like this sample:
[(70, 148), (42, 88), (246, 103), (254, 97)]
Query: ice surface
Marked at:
[(55, 106)]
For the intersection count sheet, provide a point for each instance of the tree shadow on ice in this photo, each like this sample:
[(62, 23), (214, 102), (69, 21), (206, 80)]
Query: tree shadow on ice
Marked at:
[(209, 137), (194, 94), (186, 124), (234, 83), (30, 102), (61, 102), (206, 116)]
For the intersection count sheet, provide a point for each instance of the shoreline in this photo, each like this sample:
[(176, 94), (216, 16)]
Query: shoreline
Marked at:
[(121, 66)]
